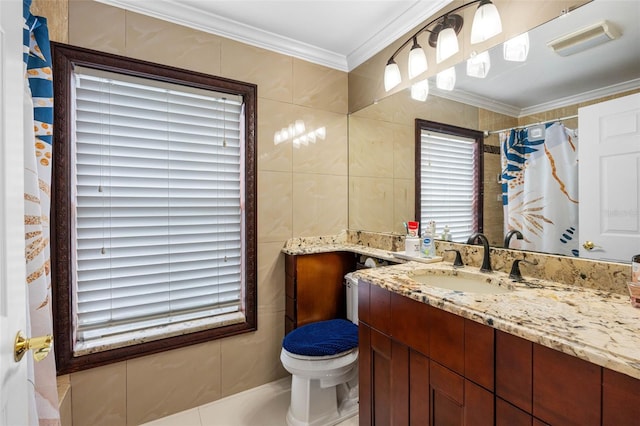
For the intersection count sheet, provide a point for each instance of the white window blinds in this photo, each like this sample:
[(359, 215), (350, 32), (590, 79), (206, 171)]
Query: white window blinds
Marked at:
[(448, 191), (158, 220)]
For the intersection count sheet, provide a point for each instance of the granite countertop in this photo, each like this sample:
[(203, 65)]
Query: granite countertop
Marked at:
[(333, 243), (590, 322), (594, 325)]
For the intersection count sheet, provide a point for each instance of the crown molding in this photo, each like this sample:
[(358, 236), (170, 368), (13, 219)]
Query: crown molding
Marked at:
[(171, 11), (191, 17), (409, 19), (476, 101), (516, 112), (582, 97)]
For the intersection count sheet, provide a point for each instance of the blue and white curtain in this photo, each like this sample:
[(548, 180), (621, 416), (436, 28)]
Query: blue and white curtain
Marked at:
[(38, 136), (540, 187)]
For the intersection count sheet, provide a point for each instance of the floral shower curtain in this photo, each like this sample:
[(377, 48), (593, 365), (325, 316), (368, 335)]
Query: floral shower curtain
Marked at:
[(37, 186), (540, 187)]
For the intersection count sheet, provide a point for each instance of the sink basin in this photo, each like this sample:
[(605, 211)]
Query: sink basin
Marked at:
[(463, 281)]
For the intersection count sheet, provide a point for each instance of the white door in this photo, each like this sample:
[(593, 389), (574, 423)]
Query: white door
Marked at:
[(13, 391), (610, 179)]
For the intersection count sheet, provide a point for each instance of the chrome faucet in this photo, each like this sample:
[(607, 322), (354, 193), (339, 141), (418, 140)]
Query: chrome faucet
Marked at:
[(486, 261), (511, 233)]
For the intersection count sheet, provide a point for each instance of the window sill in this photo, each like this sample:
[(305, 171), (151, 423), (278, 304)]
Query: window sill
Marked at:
[(157, 333)]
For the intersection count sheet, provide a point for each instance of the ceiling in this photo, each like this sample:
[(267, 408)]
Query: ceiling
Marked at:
[(342, 34)]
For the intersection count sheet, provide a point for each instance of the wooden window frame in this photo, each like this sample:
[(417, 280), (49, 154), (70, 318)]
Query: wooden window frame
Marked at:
[(448, 129), (65, 57)]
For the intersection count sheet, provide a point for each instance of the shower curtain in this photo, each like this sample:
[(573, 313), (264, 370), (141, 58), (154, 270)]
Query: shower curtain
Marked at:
[(38, 123), (540, 187)]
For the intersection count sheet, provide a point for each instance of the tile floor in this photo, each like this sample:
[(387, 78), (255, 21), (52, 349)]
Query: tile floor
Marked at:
[(265, 405)]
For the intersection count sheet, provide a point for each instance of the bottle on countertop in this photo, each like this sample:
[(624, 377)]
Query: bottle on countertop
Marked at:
[(446, 233), (427, 247)]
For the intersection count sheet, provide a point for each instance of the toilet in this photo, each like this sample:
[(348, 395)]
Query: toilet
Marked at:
[(322, 358)]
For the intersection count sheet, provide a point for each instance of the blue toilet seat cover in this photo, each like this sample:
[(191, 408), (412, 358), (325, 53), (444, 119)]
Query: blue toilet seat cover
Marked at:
[(322, 338)]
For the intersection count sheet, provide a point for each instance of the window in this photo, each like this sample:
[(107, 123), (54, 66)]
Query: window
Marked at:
[(154, 208), (449, 178)]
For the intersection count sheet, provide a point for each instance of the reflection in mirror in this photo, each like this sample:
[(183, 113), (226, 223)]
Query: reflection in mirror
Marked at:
[(381, 147)]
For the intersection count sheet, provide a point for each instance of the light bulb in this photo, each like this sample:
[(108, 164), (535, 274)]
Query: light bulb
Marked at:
[(391, 75), (417, 60), (447, 44), (478, 65), (420, 90), (486, 22), (446, 80), (517, 48)]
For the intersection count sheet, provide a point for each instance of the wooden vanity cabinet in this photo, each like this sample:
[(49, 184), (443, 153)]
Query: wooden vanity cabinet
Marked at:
[(412, 363), (422, 365), (314, 287)]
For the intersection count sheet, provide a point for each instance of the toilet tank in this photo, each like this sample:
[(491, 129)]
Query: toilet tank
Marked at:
[(352, 298)]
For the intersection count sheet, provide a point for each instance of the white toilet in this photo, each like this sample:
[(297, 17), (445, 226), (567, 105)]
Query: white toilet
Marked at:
[(322, 358)]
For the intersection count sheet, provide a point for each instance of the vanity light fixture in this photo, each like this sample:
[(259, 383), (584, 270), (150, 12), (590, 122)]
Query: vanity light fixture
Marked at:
[(443, 36), (516, 49)]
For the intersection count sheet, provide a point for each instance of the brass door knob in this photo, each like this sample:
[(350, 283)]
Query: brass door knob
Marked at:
[(41, 346), (590, 245)]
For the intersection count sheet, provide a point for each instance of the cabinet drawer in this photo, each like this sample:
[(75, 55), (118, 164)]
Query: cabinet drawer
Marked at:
[(620, 398), (566, 390), (479, 353), (514, 364), (380, 309), (446, 339), (410, 322)]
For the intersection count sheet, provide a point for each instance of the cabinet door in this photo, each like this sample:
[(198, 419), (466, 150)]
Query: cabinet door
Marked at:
[(365, 373), (510, 415), (380, 358), (566, 390), (315, 291), (419, 402), (446, 390), (478, 405)]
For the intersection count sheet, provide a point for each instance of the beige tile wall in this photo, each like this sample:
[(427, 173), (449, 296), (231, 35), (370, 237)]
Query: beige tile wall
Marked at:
[(302, 191)]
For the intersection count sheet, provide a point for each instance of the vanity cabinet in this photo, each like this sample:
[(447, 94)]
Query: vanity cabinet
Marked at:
[(413, 368), (314, 287), (422, 365)]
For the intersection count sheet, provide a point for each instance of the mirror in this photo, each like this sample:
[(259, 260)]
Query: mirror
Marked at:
[(545, 87)]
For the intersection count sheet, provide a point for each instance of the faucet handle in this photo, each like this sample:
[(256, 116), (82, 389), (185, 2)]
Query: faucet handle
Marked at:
[(458, 261), (515, 274)]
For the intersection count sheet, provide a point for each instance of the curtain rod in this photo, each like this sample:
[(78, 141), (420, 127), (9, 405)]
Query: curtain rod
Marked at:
[(493, 132)]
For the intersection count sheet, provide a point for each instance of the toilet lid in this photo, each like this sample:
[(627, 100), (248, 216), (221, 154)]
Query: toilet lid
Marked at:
[(322, 338)]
